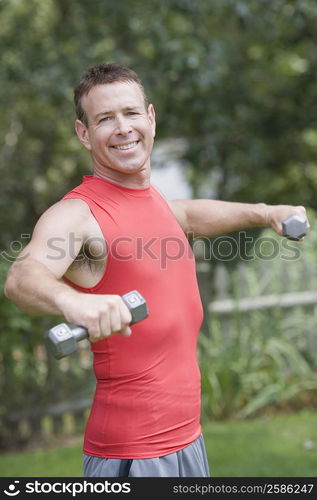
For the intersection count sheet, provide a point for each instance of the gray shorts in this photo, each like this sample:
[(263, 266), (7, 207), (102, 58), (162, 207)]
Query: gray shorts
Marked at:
[(191, 461)]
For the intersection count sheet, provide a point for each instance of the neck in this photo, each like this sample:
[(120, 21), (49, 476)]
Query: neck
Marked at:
[(138, 180)]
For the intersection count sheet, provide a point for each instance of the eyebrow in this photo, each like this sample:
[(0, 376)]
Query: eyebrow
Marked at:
[(106, 112)]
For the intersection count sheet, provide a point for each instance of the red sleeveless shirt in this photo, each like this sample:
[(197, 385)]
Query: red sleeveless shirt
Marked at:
[(147, 399)]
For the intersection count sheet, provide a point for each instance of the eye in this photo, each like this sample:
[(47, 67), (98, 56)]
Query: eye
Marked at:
[(105, 118), (131, 113)]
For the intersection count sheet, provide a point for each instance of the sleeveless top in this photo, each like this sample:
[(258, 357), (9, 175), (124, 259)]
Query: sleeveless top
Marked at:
[(147, 398)]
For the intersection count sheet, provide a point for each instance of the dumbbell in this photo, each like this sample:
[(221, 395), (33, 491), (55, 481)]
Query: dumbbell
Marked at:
[(294, 227), (61, 340)]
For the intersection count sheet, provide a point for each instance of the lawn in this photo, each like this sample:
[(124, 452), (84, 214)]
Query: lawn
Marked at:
[(283, 446), (280, 446)]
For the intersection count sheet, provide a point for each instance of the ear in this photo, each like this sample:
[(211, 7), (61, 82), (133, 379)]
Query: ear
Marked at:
[(82, 134), (151, 116)]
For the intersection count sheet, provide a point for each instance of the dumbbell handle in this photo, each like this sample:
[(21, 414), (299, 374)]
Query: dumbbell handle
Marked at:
[(80, 333)]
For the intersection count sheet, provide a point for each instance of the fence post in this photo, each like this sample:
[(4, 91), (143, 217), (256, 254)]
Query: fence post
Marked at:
[(203, 271)]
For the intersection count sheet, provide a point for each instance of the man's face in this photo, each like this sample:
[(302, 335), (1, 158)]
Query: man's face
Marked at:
[(120, 130)]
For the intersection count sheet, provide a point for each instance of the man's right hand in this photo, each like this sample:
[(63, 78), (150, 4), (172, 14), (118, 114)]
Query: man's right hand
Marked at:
[(102, 315)]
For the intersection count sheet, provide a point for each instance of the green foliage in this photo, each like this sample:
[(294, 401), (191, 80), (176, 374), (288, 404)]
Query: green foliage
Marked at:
[(30, 380), (247, 370), (263, 359), (236, 79)]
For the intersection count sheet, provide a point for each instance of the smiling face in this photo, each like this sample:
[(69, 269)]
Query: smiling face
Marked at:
[(120, 131)]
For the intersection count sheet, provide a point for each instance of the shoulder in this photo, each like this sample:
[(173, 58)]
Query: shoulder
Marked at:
[(68, 207), (178, 208), (67, 215)]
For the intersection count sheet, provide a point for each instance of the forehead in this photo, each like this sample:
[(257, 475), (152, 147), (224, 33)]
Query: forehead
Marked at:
[(112, 97)]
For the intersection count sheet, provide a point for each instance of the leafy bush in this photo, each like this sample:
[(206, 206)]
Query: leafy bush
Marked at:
[(262, 359), (30, 380), (253, 366)]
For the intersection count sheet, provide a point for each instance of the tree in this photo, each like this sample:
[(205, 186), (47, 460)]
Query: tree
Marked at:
[(236, 79)]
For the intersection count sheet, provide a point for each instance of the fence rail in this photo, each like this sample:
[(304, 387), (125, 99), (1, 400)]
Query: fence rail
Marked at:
[(285, 300), (57, 409)]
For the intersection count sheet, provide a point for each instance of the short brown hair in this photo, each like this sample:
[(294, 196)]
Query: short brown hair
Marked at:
[(101, 74)]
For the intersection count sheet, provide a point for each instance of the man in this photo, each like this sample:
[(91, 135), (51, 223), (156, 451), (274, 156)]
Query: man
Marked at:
[(145, 419)]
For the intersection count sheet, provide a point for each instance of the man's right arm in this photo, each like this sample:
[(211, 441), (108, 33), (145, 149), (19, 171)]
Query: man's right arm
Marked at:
[(34, 282)]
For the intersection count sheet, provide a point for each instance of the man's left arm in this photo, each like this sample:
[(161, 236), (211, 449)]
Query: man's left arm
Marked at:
[(203, 217)]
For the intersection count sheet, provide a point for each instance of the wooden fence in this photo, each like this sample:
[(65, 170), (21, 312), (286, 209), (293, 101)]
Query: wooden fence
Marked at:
[(44, 421)]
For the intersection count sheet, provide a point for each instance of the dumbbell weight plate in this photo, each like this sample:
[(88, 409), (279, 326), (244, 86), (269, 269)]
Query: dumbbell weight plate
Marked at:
[(294, 227)]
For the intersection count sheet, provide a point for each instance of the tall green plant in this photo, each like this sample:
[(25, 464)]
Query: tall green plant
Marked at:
[(246, 369), (262, 359)]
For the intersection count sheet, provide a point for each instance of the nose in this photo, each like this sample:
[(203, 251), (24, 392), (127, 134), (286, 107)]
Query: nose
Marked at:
[(123, 125)]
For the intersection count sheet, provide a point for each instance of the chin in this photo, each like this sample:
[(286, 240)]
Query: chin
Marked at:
[(132, 169)]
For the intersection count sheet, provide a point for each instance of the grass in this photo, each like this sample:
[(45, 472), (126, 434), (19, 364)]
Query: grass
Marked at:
[(279, 446), (61, 461)]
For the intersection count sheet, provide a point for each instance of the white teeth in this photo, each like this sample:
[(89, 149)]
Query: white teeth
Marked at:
[(126, 146)]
